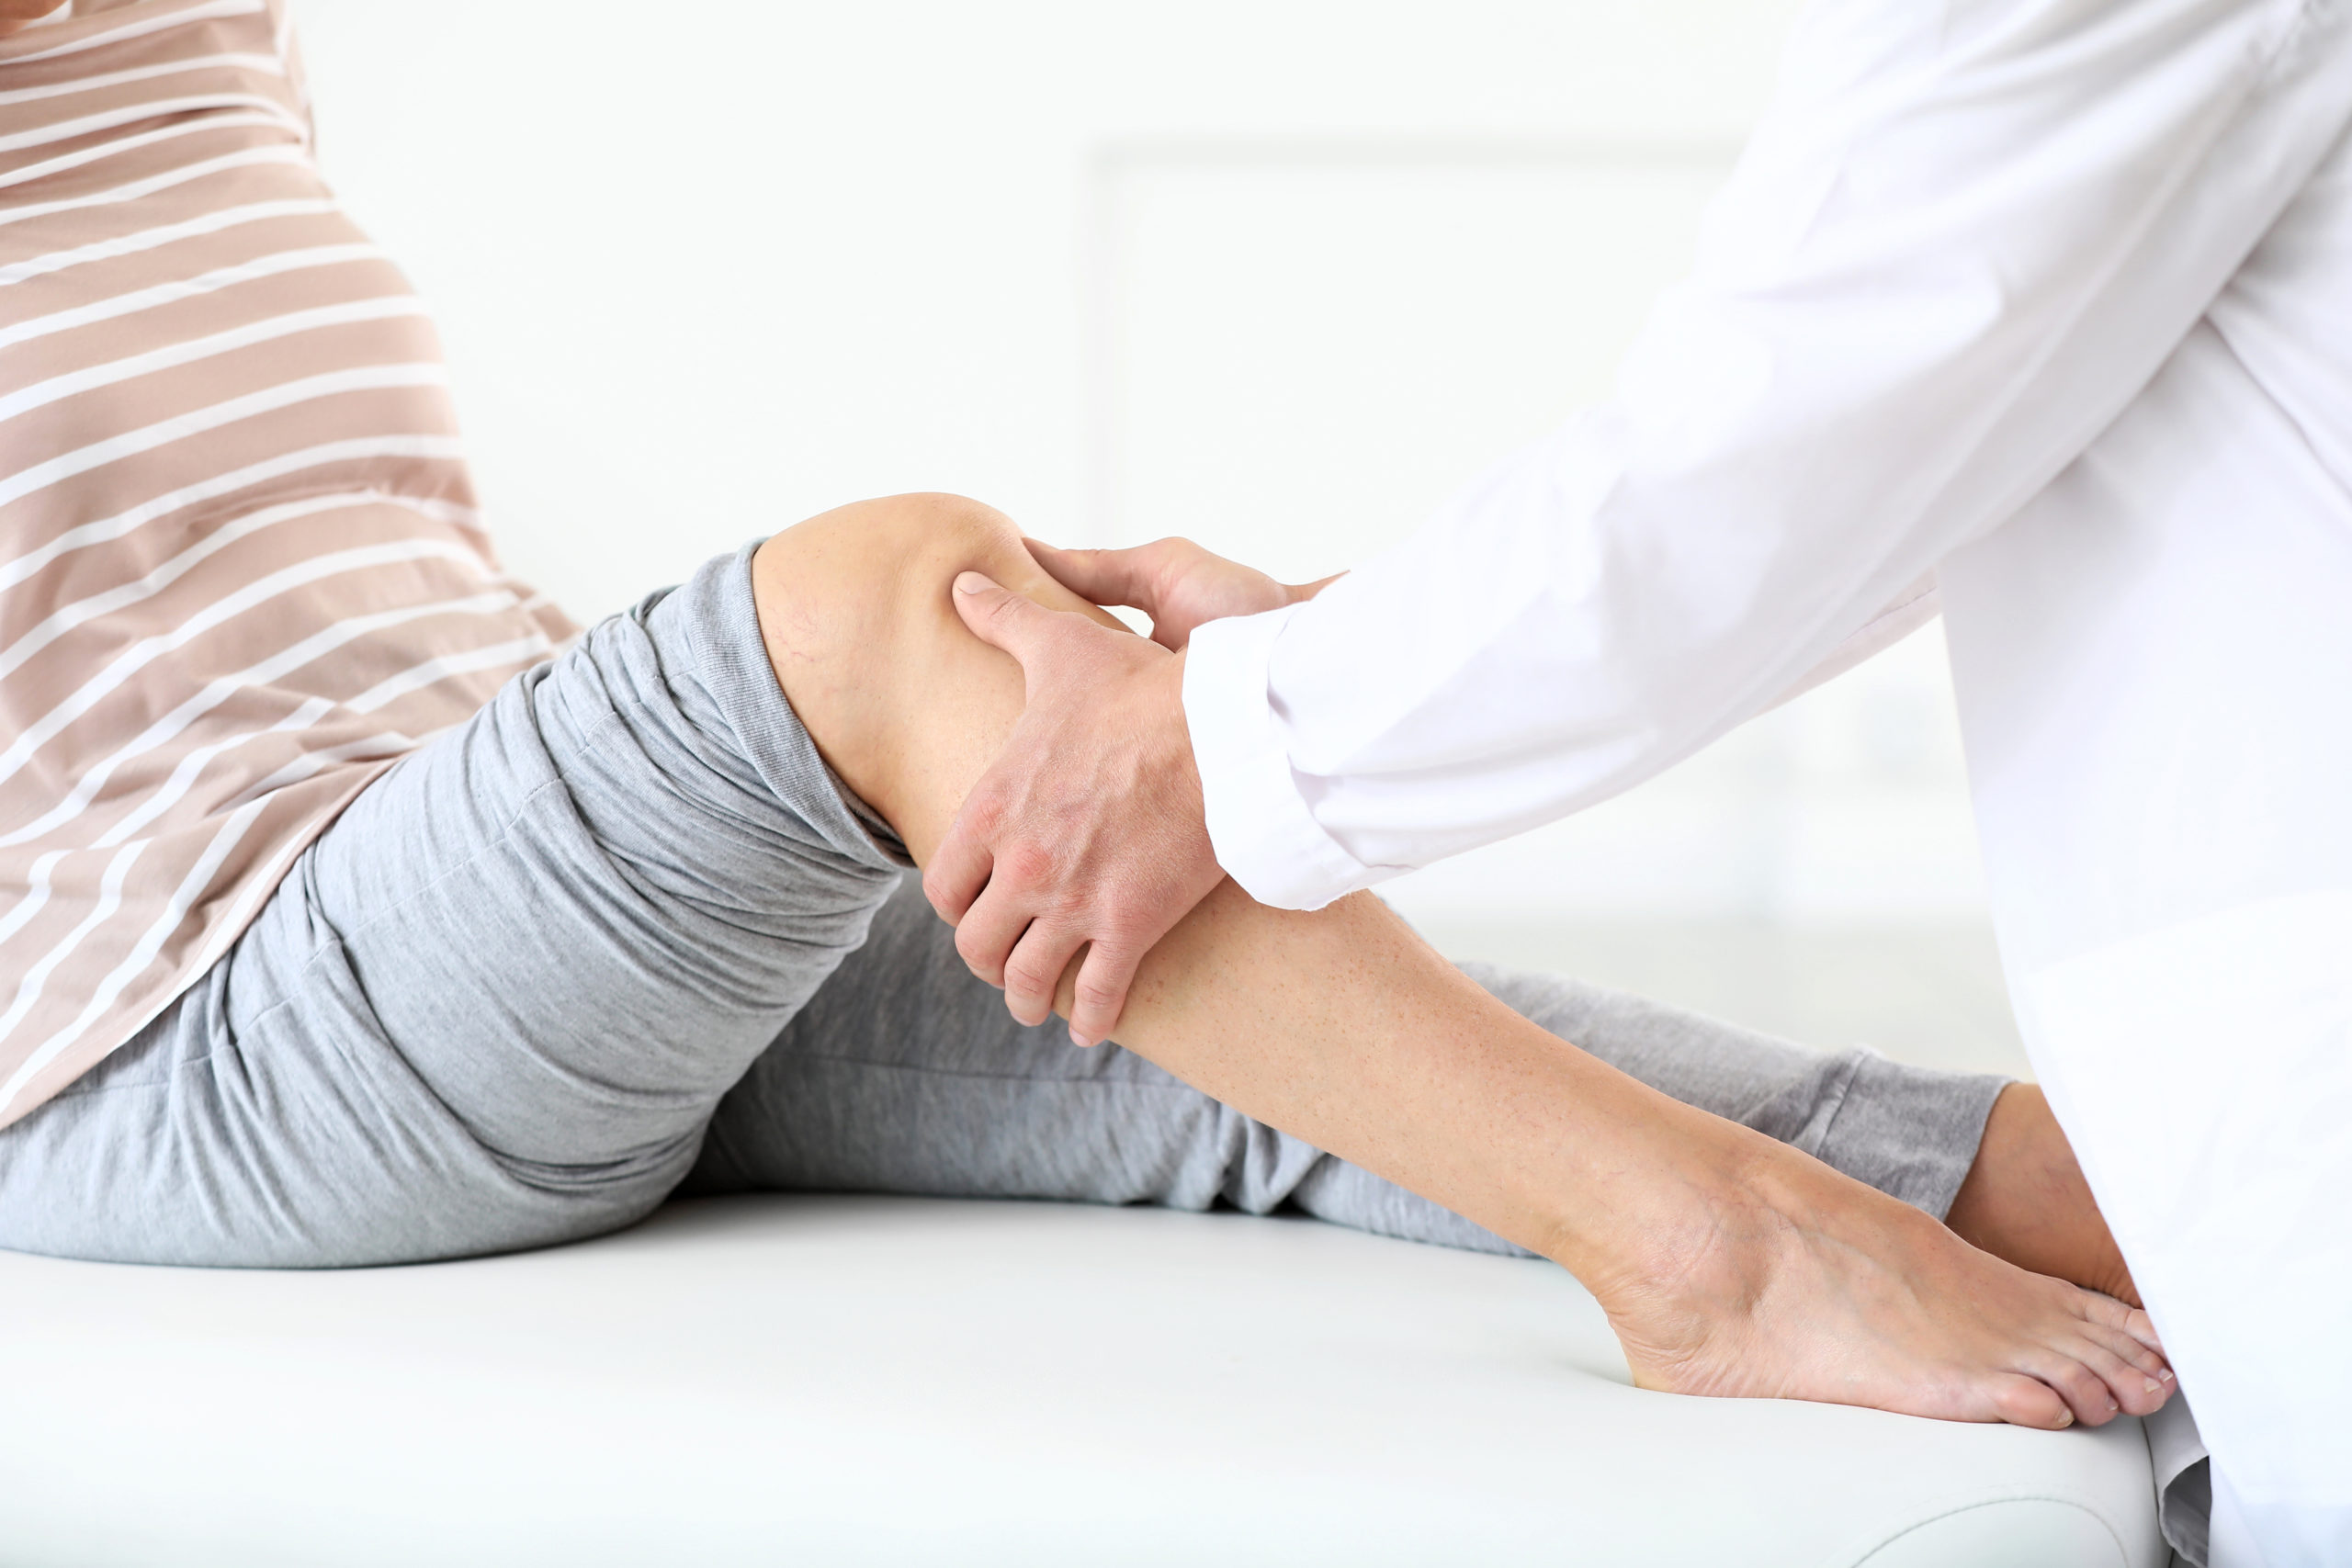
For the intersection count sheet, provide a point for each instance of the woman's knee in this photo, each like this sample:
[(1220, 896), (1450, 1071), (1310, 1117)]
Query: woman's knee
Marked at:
[(840, 584), (855, 608)]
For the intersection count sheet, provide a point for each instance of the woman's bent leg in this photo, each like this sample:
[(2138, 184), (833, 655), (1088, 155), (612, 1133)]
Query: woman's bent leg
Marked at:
[(494, 1004), (905, 1073), (1728, 1263)]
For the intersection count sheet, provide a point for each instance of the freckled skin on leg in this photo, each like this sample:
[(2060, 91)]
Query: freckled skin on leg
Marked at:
[(1728, 1264)]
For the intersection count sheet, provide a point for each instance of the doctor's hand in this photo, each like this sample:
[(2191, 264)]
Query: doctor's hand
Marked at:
[(1087, 830), (1175, 582)]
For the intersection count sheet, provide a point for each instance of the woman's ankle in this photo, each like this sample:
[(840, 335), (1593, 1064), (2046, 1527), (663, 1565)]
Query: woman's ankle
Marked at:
[(1707, 1198)]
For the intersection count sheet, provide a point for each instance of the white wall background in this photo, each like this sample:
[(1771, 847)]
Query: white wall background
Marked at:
[(1277, 275)]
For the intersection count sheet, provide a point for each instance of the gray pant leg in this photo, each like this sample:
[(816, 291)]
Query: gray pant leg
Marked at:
[(904, 1073), (1909, 1132), (583, 914), (494, 1004)]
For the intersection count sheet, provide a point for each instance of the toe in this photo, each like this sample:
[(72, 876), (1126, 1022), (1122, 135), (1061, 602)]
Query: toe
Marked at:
[(2149, 1371), (2133, 1391), (2143, 1327), (2085, 1392), (2023, 1401), (2109, 1313)]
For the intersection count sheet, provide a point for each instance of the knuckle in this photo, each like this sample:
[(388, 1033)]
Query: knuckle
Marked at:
[(1025, 978), (1026, 864), (1114, 953), (937, 886)]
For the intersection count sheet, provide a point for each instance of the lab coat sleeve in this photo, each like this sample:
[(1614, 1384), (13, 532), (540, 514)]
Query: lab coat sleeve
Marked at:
[(1961, 240)]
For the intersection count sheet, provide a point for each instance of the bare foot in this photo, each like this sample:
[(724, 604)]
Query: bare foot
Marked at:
[(1793, 1282), (2025, 1200)]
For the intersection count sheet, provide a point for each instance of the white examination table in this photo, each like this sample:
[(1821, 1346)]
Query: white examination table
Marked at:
[(839, 1381)]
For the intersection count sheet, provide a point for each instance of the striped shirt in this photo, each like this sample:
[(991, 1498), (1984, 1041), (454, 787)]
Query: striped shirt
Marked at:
[(241, 570)]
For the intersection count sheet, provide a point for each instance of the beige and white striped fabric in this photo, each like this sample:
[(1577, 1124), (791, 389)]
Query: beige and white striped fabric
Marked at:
[(240, 566)]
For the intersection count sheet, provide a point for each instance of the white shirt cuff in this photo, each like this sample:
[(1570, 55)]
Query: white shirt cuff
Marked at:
[(1265, 837)]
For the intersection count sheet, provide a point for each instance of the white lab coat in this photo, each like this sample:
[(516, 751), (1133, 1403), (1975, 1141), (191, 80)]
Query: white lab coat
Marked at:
[(2048, 304)]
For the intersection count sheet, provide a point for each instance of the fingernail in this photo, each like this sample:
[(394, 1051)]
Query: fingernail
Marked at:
[(2166, 1376), (1080, 1041), (972, 582), (2154, 1387), (2112, 1407), (2066, 1418)]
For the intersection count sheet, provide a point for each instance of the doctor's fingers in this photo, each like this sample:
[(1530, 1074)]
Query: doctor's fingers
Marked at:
[(991, 928), (1175, 582), (1100, 993), (960, 867), (1034, 971), (1103, 577)]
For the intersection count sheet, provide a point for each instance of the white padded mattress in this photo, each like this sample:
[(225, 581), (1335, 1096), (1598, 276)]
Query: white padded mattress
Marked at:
[(832, 1382)]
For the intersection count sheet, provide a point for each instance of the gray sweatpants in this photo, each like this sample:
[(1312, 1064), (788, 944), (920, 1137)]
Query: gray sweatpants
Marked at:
[(621, 933)]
